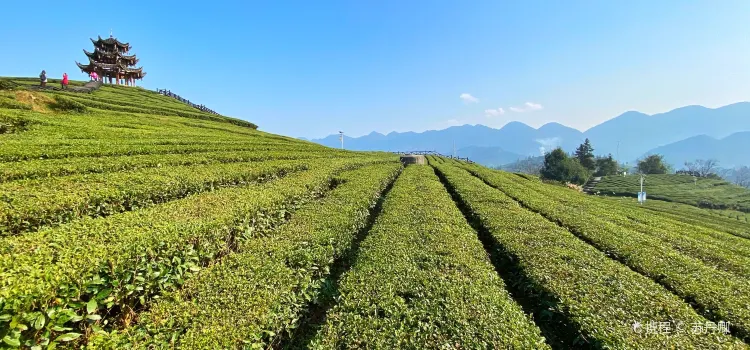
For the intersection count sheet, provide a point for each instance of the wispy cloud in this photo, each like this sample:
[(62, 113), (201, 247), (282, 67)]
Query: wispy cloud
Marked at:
[(548, 144), (494, 112), (527, 107), (467, 98)]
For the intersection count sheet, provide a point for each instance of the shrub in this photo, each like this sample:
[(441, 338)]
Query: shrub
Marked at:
[(293, 264), (10, 103), (653, 164), (422, 280), (585, 249), (702, 272), (10, 124), (64, 104), (123, 261), (7, 84)]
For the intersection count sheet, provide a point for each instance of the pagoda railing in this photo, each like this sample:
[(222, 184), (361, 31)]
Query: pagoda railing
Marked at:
[(432, 153), (177, 97)]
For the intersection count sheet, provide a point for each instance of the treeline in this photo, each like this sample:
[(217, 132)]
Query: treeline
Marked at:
[(579, 166)]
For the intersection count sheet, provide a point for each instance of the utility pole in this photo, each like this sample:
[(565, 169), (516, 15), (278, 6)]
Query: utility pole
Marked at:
[(341, 138), (641, 196), (454, 148)]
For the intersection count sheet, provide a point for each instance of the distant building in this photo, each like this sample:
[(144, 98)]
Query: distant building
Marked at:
[(111, 62)]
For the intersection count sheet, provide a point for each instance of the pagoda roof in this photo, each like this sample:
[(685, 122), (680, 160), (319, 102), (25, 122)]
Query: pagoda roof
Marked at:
[(111, 41), (110, 67), (98, 53)]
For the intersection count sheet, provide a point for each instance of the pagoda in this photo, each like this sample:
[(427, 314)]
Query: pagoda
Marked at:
[(110, 61)]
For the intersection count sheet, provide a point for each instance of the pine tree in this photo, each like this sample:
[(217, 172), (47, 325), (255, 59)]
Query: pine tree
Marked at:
[(585, 155)]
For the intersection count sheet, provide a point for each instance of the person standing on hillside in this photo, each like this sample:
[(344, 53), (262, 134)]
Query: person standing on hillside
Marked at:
[(65, 81), (43, 78)]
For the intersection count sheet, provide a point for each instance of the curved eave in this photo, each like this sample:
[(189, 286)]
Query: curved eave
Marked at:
[(98, 55), (84, 67), (111, 41), (90, 55), (138, 70)]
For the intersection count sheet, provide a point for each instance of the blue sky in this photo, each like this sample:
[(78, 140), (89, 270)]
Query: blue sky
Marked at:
[(312, 68)]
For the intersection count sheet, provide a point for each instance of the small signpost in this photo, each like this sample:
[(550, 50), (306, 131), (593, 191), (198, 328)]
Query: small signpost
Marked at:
[(341, 138)]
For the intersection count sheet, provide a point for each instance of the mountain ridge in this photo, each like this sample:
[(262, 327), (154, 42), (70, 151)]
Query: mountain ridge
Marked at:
[(628, 136)]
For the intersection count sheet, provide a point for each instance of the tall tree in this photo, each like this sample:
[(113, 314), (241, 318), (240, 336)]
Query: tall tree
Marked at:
[(653, 164), (606, 166), (585, 155), (558, 166), (554, 165)]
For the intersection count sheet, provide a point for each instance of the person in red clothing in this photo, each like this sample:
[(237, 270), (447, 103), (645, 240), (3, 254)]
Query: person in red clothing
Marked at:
[(65, 81)]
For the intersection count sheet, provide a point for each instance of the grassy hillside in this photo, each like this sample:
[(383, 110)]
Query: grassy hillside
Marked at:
[(706, 193), (129, 220)]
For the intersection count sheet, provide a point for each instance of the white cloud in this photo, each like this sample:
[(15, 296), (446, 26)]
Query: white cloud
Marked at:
[(548, 144), (467, 98), (494, 112), (527, 107)]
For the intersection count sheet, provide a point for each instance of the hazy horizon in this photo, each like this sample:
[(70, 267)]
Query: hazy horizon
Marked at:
[(510, 121)]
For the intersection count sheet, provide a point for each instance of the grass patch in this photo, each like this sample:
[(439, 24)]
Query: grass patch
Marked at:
[(64, 104), (6, 84), (9, 124), (9, 102)]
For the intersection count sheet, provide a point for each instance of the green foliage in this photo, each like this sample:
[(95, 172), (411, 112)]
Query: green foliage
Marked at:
[(606, 166), (422, 281), (559, 167), (729, 221), (554, 165), (701, 192), (6, 84), (144, 223), (132, 100), (584, 286), (124, 261), (65, 104), (585, 155), (30, 204), (684, 265), (41, 168), (10, 124), (653, 164), (10, 103), (21, 150), (267, 284)]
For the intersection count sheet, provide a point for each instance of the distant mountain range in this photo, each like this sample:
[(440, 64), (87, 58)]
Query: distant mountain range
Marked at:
[(683, 134), (730, 151)]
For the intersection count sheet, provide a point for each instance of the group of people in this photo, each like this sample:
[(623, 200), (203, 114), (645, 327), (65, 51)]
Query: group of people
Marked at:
[(43, 79)]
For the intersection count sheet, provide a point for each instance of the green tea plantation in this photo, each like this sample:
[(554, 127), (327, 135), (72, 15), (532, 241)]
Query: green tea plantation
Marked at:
[(705, 193), (129, 219)]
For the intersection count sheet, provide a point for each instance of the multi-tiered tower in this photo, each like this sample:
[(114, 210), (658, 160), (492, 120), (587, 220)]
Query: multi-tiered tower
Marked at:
[(110, 60)]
